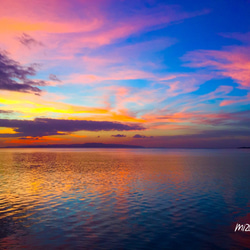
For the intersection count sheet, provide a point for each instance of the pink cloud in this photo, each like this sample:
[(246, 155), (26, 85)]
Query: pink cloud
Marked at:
[(123, 97), (181, 119), (125, 74), (236, 100), (183, 83), (65, 27), (231, 61), (95, 63), (243, 37)]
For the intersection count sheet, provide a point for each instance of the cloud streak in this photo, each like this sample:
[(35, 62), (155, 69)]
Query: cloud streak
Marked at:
[(118, 135), (138, 136)]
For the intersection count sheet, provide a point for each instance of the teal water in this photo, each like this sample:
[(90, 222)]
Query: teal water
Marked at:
[(124, 199)]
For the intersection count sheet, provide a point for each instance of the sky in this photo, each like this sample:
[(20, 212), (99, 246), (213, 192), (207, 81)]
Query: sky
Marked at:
[(144, 72)]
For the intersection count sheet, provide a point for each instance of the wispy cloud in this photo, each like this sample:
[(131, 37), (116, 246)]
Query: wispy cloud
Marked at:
[(124, 74), (53, 77), (231, 61), (236, 100), (233, 119), (29, 41), (89, 26)]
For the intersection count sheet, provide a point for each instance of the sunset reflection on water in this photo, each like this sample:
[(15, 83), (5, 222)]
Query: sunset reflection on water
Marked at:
[(123, 198)]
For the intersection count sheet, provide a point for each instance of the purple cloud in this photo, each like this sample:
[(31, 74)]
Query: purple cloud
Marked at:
[(54, 78), (118, 135), (29, 41), (28, 138), (137, 136), (45, 126), (14, 77)]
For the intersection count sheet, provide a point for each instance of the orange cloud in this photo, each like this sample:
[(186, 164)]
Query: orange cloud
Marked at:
[(7, 131), (15, 25), (31, 140)]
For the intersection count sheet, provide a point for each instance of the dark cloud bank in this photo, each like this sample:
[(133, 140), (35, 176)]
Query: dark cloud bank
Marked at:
[(45, 126)]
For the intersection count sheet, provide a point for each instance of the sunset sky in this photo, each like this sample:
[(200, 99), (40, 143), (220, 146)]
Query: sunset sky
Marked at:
[(173, 73)]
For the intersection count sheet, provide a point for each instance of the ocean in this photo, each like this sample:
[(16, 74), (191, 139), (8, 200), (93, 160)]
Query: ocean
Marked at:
[(124, 199)]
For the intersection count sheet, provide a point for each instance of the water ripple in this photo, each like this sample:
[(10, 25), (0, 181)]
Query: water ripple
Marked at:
[(123, 199)]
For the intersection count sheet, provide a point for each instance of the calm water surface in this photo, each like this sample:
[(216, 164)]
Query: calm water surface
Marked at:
[(124, 199)]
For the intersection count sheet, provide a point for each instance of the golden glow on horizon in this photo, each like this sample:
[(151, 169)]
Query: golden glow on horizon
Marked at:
[(38, 140), (36, 106)]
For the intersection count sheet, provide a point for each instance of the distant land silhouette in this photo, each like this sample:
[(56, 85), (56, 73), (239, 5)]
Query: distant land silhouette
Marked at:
[(85, 145)]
